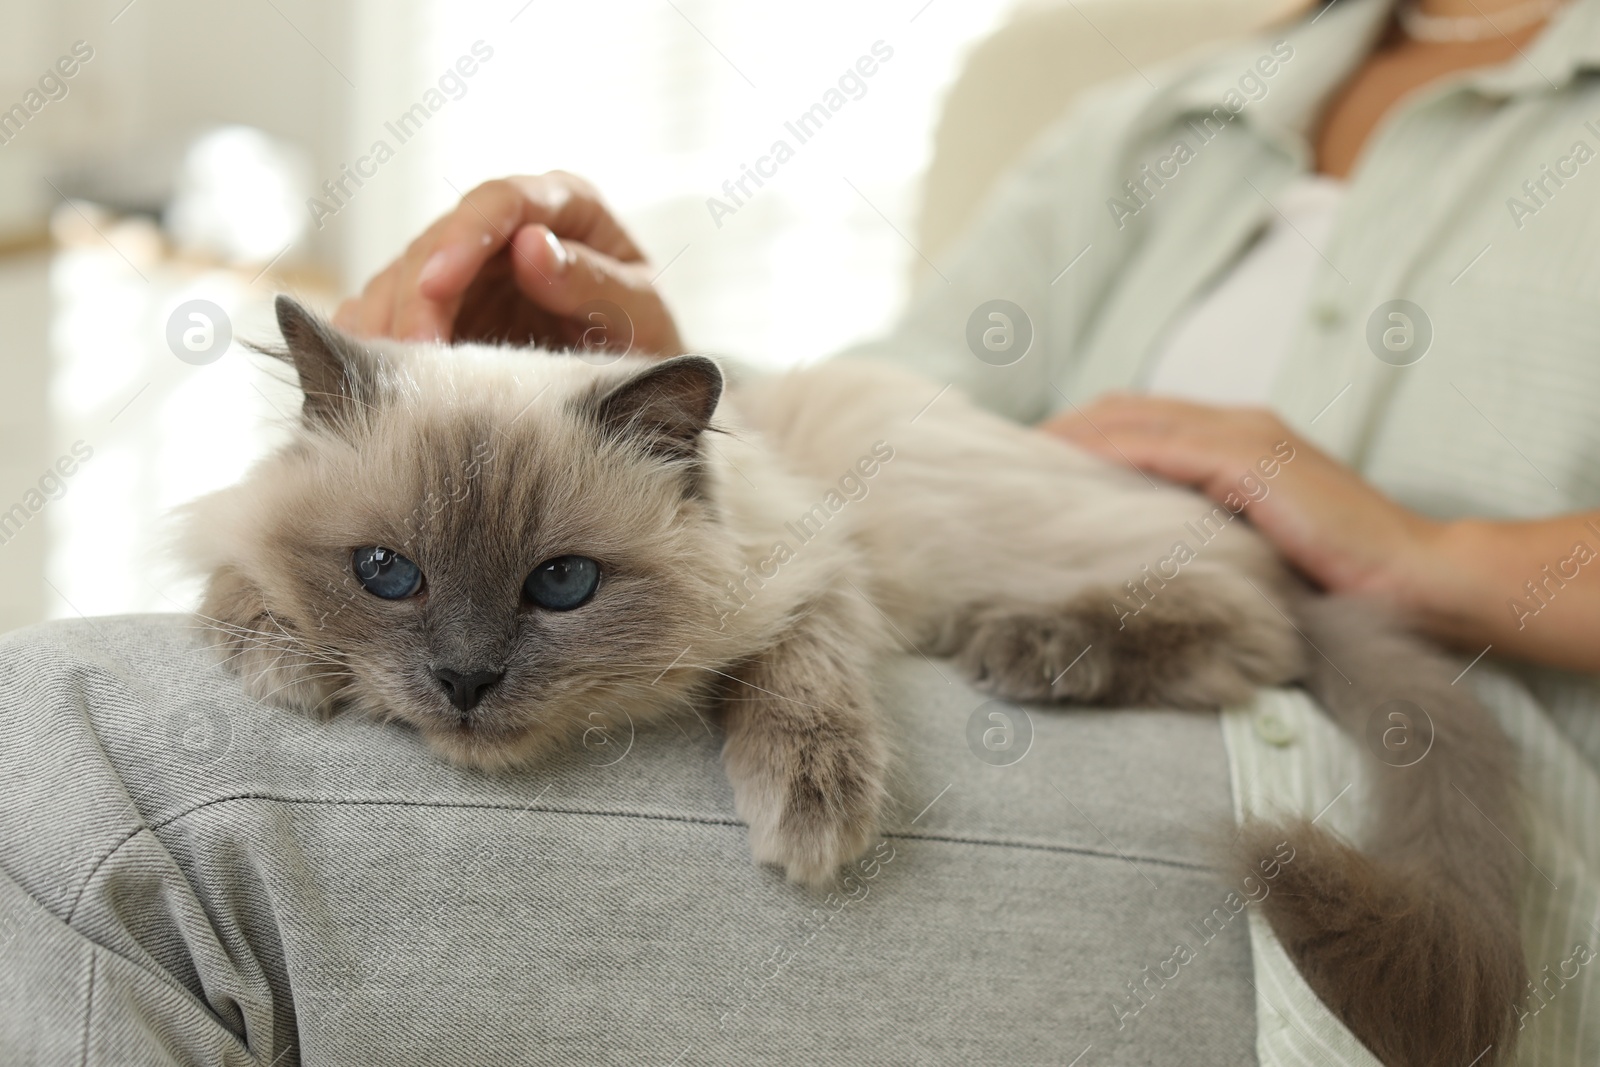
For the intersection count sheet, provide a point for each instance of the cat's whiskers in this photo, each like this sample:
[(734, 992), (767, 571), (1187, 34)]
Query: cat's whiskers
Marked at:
[(713, 670), (310, 657), (346, 687), (283, 637), (300, 680), (237, 629), (252, 642)]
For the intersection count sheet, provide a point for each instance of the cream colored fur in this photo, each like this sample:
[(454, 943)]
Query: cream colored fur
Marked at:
[(761, 560)]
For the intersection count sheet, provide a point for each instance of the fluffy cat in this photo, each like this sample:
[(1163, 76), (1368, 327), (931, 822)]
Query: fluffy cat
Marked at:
[(491, 544)]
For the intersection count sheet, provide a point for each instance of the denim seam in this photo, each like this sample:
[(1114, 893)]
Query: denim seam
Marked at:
[(660, 817)]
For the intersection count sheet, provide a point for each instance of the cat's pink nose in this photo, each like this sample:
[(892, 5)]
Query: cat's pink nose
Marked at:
[(466, 689)]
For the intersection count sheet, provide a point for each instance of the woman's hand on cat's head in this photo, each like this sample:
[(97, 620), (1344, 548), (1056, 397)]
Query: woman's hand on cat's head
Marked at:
[(517, 260)]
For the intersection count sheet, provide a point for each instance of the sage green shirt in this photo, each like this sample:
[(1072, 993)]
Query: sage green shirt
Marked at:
[(1477, 200)]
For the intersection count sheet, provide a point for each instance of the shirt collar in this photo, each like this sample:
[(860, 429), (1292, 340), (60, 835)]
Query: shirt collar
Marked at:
[(1568, 47), (1331, 43)]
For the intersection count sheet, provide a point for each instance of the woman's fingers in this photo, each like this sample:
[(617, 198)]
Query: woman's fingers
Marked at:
[(348, 315), (371, 312), (1338, 530), (1192, 461), (565, 249), (1154, 414), (1192, 444), (565, 277), (436, 269), (573, 209)]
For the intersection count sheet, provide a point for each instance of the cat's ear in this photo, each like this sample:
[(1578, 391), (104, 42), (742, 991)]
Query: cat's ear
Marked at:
[(666, 407), (338, 376)]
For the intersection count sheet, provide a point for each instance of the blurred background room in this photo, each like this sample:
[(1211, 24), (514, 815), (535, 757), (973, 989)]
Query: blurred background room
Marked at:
[(166, 166)]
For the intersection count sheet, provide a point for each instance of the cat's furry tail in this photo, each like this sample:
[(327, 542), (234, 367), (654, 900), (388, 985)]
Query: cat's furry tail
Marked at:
[(1414, 940)]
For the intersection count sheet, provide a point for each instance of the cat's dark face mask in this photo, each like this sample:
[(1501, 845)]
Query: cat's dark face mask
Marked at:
[(488, 575)]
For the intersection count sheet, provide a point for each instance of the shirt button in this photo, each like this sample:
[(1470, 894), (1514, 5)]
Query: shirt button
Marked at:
[(1327, 316), (1274, 729)]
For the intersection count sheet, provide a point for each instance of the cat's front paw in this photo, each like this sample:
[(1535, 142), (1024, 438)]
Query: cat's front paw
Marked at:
[(805, 749), (810, 784), (815, 828)]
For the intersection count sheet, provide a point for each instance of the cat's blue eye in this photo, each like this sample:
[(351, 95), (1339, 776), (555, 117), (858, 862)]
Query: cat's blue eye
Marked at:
[(563, 583), (385, 573)]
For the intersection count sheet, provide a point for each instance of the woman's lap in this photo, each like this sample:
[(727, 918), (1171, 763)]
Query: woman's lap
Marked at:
[(333, 884)]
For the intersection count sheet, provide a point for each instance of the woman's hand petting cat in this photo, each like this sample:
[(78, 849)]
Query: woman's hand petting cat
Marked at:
[(1514, 585), (1339, 531), (522, 259)]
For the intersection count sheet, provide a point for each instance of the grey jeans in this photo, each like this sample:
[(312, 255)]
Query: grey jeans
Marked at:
[(192, 877)]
